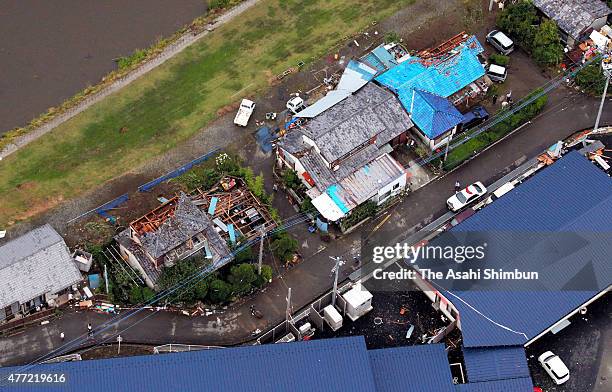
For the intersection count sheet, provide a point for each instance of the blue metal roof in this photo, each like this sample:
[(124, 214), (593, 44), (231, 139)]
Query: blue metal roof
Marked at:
[(443, 77), (433, 114), (495, 363), (323, 365), (572, 195), (510, 385), (414, 368)]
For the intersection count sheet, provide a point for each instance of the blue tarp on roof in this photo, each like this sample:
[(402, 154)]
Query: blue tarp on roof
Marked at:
[(433, 114), (321, 365), (495, 363), (511, 385), (572, 195), (444, 77), (332, 192), (413, 368)]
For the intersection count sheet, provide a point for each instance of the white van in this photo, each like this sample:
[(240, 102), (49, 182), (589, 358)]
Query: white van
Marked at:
[(497, 73), (500, 41)]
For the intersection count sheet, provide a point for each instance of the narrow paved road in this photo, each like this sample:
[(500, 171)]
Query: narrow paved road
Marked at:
[(565, 113)]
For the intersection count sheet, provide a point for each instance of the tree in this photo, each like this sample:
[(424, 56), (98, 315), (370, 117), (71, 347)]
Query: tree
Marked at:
[(241, 278), (546, 50), (265, 277), (284, 246), (518, 20), (219, 291), (244, 255), (591, 79)]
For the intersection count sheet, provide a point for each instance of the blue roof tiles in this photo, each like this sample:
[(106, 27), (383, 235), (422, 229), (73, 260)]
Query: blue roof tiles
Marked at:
[(434, 115), (443, 77)]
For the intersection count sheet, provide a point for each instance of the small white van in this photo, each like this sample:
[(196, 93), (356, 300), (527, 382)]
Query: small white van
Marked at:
[(497, 73)]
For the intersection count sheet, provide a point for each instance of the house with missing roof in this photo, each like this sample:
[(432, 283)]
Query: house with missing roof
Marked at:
[(342, 151), (172, 232), (434, 83), (36, 270), (575, 18)]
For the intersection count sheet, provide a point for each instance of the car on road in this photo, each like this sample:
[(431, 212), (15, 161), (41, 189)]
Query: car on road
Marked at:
[(475, 116), (554, 366), (501, 42), (466, 196)]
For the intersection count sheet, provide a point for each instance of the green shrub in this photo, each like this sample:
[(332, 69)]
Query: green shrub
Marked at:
[(136, 57), (284, 246), (359, 213), (591, 79), (460, 153), (219, 291), (265, 277), (217, 4), (499, 59), (392, 36), (291, 179), (546, 49)]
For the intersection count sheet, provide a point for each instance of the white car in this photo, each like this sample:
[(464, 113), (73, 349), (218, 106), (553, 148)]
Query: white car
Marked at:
[(554, 366), (466, 196), (501, 42)]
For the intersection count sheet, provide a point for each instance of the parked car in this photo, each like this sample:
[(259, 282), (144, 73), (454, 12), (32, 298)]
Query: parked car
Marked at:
[(501, 42), (554, 366), (296, 105), (466, 196), (475, 116), (497, 73), (244, 112)]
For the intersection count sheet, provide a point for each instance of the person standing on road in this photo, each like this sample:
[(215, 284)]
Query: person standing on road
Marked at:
[(62, 336), (495, 99), (89, 330), (509, 95), (457, 186)]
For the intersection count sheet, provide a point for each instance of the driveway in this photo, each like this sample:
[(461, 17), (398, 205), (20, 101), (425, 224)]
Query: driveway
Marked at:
[(584, 346)]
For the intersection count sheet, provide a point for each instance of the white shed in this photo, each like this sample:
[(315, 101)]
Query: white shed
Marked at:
[(333, 317)]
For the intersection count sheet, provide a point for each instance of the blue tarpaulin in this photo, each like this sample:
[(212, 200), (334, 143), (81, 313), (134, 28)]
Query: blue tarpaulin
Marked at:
[(175, 173), (264, 138), (94, 281), (213, 205), (232, 233)]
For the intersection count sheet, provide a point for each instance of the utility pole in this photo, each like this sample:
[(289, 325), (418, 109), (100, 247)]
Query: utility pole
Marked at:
[(603, 100), (119, 340), (106, 278), (288, 310), (336, 271), (262, 233)]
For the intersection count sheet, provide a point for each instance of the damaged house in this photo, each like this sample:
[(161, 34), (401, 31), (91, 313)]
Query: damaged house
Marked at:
[(202, 223), (170, 233), (575, 18), (434, 83), (342, 154)]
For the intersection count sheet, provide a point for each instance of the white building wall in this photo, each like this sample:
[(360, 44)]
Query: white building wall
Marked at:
[(399, 183)]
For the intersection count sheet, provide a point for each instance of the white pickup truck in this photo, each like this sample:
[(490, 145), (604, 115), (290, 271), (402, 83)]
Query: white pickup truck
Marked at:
[(244, 112)]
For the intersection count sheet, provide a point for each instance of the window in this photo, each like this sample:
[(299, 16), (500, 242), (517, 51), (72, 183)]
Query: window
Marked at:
[(396, 186), (385, 196)]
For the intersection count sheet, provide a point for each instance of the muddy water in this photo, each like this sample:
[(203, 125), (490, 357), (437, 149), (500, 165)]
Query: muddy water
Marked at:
[(51, 49)]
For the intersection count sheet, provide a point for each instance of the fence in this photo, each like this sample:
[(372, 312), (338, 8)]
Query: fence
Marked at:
[(177, 172)]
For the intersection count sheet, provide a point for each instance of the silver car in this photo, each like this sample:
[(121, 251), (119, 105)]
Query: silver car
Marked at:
[(501, 42)]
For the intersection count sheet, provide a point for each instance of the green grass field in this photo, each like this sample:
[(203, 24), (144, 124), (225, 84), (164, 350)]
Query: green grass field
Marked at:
[(171, 103)]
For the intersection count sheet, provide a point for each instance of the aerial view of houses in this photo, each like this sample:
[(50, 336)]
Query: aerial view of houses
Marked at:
[(271, 195)]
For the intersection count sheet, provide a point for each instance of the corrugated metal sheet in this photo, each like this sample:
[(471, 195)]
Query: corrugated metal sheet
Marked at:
[(572, 195), (416, 368), (433, 114), (328, 101), (495, 363), (355, 76), (322, 365), (511, 385), (444, 77)]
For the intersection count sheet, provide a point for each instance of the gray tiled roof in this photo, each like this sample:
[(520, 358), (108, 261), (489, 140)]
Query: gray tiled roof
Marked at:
[(573, 16), (353, 122), (188, 220), (36, 263)]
